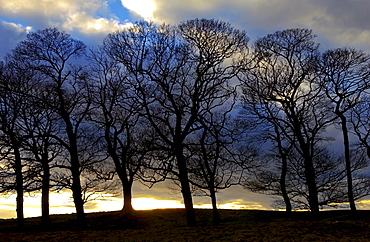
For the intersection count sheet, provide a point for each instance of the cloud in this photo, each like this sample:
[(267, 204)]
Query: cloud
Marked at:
[(46, 13), (363, 204), (344, 23), (347, 14), (337, 23), (261, 13), (78, 17), (11, 34), (243, 197), (93, 205), (160, 190), (144, 8), (91, 30)]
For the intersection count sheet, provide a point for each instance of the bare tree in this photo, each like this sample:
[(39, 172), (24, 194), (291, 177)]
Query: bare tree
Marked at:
[(12, 101), (283, 74), (18, 85), (345, 78), (268, 120), (49, 52), (331, 178), (218, 156), (36, 124), (179, 73), (127, 140)]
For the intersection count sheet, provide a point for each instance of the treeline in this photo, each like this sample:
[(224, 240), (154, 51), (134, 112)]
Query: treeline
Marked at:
[(194, 103)]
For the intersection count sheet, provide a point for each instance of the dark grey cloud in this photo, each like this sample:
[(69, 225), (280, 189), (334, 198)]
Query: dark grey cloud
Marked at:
[(336, 23), (347, 13)]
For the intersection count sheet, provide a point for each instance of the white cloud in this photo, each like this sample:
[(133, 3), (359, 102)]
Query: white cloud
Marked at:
[(74, 16), (85, 24), (50, 8), (144, 8)]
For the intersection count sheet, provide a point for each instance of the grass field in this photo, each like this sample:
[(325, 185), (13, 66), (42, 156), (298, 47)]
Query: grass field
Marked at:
[(170, 225)]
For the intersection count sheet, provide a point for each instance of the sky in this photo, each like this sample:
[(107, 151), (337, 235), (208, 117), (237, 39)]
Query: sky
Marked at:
[(337, 23)]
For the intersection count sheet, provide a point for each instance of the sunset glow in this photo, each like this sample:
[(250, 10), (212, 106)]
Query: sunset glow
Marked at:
[(61, 203), (151, 203)]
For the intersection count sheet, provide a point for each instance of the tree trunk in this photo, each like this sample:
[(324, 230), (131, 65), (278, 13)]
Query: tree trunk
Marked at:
[(73, 152), (121, 164), (284, 169), (309, 170), (77, 197), (45, 213), (76, 184), (19, 188), (216, 214), (311, 184), (127, 197), (75, 169), (185, 189), (348, 162)]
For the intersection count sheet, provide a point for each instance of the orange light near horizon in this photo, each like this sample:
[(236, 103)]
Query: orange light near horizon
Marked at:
[(231, 205), (147, 203), (141, 203), (237, 205), (62, 203)]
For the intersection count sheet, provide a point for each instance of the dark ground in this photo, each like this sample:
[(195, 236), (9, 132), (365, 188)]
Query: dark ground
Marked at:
[(170, 225)]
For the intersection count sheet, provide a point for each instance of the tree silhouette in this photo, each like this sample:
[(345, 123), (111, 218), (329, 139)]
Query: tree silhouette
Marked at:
[(179, 74), (128, 140), (268, 125), (49, 52), (12, 101), (218, 156), (283, 74), (345, 78)]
